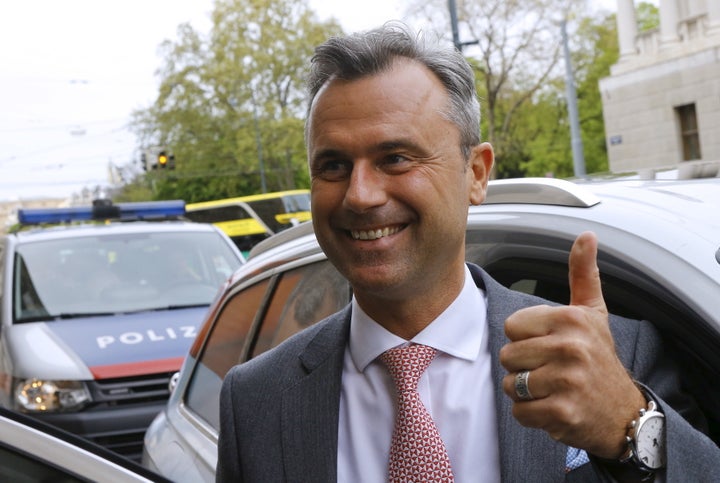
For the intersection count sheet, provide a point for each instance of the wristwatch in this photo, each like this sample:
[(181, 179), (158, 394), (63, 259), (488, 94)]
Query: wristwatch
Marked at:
[(646, 440)]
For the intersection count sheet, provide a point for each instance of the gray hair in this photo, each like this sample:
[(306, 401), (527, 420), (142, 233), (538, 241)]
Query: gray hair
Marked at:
[(368, 53)]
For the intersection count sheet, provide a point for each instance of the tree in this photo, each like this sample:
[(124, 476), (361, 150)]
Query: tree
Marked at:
[(594, 50), (515, 57), (648, 16), (231, 106)]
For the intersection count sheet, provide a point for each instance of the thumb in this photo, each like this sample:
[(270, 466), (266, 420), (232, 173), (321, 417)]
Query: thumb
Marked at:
[(585, 287)]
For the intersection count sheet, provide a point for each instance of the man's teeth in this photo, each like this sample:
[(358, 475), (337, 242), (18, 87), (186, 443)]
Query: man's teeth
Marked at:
[(373, 234)]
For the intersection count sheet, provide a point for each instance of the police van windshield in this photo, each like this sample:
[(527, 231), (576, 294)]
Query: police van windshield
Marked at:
[(118, 273)]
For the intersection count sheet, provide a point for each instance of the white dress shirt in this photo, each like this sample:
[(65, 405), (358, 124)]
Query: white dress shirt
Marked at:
[(457, 390)]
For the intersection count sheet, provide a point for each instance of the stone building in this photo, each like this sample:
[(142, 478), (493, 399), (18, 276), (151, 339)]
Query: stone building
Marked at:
[(661, 102)]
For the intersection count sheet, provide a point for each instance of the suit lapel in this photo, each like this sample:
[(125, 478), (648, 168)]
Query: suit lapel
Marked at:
[(525, 454), (310, 408)]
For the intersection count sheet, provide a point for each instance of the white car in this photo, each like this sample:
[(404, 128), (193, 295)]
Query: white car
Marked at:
[(659, 256), (95, 317)]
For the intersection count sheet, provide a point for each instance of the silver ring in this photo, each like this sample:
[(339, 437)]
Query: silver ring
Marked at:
[(521, 386)]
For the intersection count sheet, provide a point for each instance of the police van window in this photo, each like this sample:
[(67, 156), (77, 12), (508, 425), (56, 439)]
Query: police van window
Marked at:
[(295, 203), (217, 214), (267, 209), (224, 349), (119, 273), (303, 297)]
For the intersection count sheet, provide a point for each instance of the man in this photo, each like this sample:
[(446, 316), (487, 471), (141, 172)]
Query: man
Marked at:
[(517, 389)]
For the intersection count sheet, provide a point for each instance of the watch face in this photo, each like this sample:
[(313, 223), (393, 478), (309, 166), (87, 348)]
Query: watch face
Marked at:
[(650, 442)]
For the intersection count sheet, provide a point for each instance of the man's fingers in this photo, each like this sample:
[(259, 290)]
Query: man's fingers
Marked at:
[(585, 286)]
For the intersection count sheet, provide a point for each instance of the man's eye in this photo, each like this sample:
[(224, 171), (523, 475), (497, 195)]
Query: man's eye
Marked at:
[(332, 170), (396, 162)]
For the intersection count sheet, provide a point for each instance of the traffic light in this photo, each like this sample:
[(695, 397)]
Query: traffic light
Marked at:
[(165, 160), (157, 158), (162, 159)]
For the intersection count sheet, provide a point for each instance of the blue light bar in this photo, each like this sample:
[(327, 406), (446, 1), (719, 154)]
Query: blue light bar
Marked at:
[(152, 209), (38, 216), (103, 210)]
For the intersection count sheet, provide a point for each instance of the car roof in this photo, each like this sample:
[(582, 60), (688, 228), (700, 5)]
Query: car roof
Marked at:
[(665, 212), (695, 201)]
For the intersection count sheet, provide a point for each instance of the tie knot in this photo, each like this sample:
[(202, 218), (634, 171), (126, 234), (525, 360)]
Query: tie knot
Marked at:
[(406, 364)]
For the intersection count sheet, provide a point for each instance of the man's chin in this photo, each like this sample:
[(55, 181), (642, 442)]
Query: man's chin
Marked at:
[(378, 280)]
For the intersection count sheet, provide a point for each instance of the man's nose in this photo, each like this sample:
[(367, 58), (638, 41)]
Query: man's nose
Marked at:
[(366, 188)]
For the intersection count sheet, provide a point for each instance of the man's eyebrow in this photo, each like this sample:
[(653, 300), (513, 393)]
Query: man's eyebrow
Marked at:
[(399, 143), (327, 153), (381, 147)]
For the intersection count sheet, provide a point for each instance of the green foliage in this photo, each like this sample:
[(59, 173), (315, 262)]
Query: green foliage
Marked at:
[(231, 106), (648, 16), (543, 130), (137, 190), (521, 82), (592, 61)]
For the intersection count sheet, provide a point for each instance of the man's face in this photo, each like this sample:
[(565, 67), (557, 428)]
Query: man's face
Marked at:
[(390, 188)]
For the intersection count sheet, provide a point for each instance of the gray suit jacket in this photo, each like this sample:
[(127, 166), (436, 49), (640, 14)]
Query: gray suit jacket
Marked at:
[(279, 411)]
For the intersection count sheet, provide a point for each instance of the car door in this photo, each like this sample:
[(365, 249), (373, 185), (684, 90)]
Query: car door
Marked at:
[(539, 266)]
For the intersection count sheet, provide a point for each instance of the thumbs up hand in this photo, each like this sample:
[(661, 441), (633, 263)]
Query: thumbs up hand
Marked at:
[(582, 394)]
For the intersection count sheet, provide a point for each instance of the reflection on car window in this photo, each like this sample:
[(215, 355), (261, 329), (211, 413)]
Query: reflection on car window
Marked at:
[(300, 298), (303, 296), (223, 350)]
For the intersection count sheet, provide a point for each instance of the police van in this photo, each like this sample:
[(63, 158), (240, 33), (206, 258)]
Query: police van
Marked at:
[(99, 305)]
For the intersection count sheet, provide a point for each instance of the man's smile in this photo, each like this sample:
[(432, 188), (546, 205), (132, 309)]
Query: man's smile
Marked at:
[(376, 233)]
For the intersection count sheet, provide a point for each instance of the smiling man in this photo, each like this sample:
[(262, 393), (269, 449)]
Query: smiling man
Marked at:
[(391, 189), (435, 372)]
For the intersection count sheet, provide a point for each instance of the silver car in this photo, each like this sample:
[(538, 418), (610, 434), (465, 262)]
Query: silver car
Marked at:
[(659, 255)]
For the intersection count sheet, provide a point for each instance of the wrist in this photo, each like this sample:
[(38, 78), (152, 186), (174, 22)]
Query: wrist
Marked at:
[(645, 440), (640, 402)]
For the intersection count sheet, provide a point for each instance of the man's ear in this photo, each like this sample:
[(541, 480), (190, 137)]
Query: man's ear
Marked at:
[(480, 165)]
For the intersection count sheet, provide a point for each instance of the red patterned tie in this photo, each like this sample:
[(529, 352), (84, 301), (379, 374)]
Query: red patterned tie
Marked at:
[(417, 453)]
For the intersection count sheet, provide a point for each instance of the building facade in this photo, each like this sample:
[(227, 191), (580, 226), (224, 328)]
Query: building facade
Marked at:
[(661, 102)]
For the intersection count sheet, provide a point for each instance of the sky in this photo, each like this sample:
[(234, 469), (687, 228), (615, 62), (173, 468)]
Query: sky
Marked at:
[(72, 72)]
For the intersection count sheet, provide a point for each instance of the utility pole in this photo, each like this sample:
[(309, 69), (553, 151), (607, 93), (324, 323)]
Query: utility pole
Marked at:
[(454, 26), (575, 137), (258, 142)]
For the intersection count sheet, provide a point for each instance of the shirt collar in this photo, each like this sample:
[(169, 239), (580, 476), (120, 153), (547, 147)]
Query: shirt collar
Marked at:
[(458, 331)]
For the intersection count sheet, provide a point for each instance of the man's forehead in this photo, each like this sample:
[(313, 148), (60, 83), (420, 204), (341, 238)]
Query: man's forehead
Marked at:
[(406, 77)]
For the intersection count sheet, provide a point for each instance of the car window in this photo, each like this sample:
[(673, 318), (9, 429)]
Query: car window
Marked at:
[(302, 297), (17, 466), (297, 299), (223, 349), (119, 273), (689, 345)]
